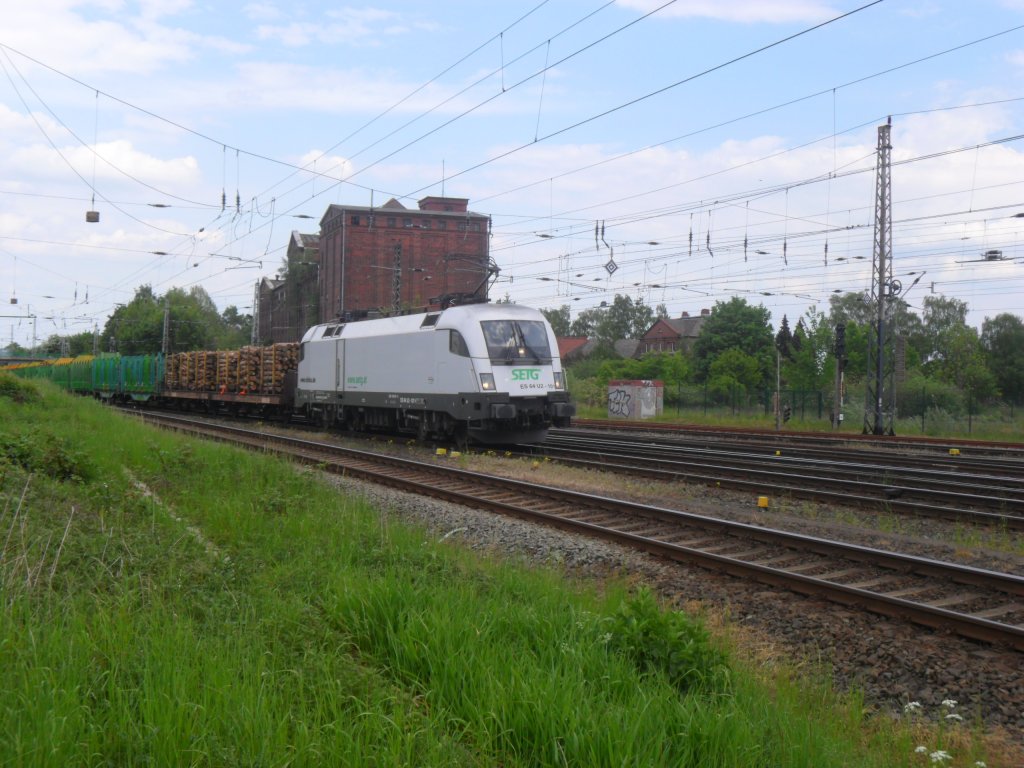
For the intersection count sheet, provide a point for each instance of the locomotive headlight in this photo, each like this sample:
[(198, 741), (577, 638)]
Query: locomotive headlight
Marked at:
[(559, 380), (487, 382)]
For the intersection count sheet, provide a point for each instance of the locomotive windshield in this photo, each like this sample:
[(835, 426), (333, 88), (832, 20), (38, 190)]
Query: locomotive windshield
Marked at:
[(516, 341)]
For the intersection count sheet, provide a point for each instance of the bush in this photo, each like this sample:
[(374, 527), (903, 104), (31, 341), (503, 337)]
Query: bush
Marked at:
[(668, 643), (920, 394), (17, 390)]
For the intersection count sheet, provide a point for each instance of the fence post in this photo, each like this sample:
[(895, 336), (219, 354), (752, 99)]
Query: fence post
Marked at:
[(924, 405), (970, 411)]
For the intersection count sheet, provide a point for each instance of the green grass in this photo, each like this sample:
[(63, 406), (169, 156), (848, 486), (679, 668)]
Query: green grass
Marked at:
[(171, 602)]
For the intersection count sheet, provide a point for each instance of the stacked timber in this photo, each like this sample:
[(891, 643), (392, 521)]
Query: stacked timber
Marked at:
[(206, 374), (278, 360), (172, 372), (248, 371)]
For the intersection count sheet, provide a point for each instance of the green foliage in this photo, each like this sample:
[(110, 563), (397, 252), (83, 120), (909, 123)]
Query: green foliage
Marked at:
[(812, 361), (1002, 339), (42, 452), (17, 390), (622, 319), (921, 394), (733, 367), (668, 643), (961, 362), (559, 320), (137, 327), (668, 367), (736, 325)]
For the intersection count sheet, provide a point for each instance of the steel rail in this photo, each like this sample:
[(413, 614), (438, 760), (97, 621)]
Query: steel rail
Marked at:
[(882, 484), (922, 442), (673, 532)]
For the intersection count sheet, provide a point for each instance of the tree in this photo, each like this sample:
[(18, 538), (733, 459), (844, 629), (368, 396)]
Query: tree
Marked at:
[(586, 322), (963, 363), (812, 362), (943, 317), (237, 328), (622, 319), (851, 308), (137, 328), (784, 340), (559, 319), (732, 368), (625, 319), (1002, 339), (734, 324)]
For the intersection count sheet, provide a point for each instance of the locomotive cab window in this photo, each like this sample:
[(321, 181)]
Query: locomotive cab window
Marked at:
[(430, 320), (457, 344), (516, 341)]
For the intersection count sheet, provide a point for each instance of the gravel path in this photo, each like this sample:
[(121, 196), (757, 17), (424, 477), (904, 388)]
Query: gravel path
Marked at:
[(893, 663)]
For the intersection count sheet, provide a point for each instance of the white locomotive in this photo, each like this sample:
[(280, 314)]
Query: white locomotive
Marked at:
[(489, 373)]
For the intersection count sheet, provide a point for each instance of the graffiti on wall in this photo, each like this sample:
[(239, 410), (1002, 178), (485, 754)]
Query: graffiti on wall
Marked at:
[(619, 403)]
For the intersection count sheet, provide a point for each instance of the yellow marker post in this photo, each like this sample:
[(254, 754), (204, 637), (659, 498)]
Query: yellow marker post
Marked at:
[(441, 452), (954, 451), (762, 502)]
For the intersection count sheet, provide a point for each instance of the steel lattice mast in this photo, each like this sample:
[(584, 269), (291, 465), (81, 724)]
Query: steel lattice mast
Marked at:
[(878, 419)]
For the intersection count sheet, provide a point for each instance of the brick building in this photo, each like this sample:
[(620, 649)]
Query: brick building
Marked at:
[(393, 258), (289, 304), (673, 334)]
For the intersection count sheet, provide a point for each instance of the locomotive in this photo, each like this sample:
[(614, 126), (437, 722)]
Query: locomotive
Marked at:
[(479, 373), (482, 372)]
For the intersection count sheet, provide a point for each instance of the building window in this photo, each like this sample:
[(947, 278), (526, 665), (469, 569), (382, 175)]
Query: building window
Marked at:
[(476, 226), (442, 224), (406, 222), (355, 221), (425, 224), (391, 221), (462, 226)]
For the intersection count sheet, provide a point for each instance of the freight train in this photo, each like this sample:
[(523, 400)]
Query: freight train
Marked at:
[(478, 373)]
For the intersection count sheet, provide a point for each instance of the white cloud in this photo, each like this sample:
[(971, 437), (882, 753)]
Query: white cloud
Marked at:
[(119, 158), (345, 26), (332, 166), (743, 11), (262, 12), (69, 36)]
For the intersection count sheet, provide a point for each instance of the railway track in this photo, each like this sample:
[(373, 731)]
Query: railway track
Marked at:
[(977, 493), (750, 435), (972, 602)]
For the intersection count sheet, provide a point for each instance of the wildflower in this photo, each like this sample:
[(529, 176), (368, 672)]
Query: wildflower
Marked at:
[(606, 638), (980, 764), (949, 703), (912, 706), (954, 716), (921, 749), (940, 756)]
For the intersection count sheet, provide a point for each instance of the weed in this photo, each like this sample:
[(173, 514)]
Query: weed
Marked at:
[(18, 390), (669, 643)]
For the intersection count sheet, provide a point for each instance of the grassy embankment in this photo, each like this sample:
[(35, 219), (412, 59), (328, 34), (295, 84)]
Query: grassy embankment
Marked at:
[(173, 602)]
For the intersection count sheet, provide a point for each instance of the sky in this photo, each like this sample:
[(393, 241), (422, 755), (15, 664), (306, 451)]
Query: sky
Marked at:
[(680, 152)]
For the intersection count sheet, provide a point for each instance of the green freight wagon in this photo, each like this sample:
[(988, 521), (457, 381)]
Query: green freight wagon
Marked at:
[(141, 376), (106, 375)]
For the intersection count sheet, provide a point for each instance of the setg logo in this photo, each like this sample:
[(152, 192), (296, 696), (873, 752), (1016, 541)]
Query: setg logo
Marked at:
[(525, 374)]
